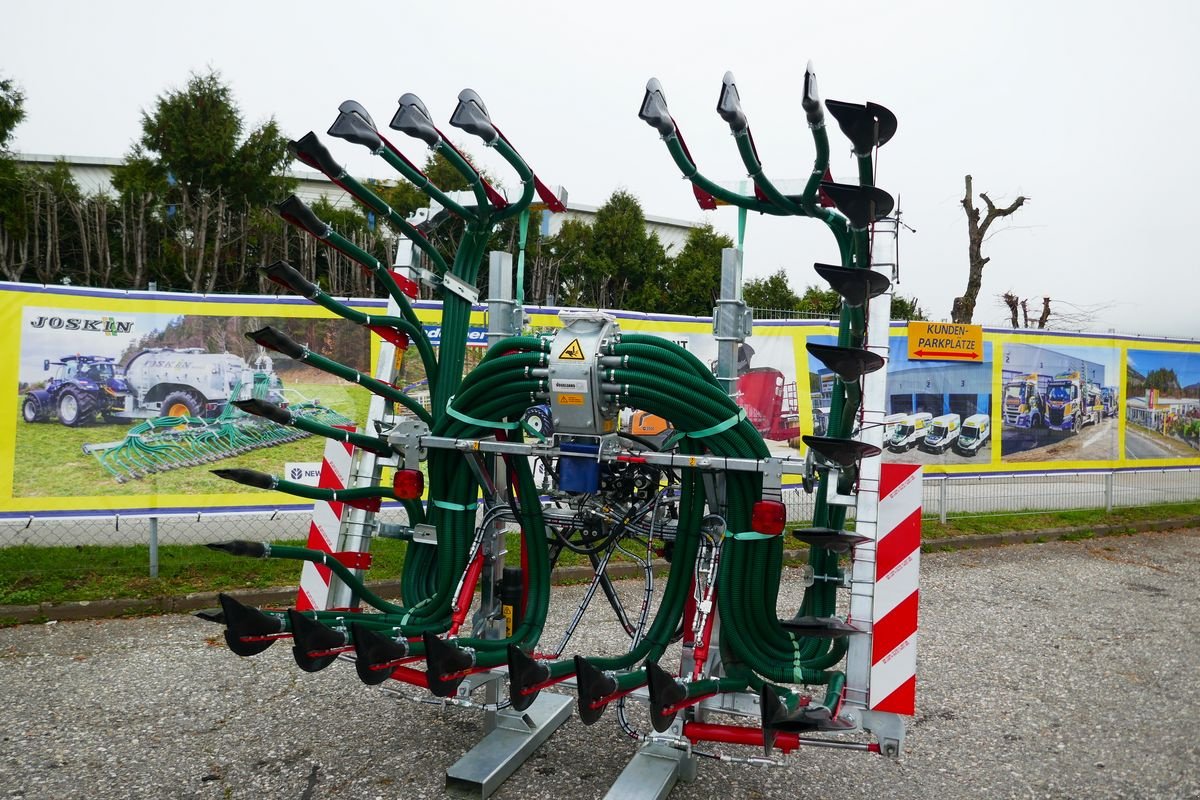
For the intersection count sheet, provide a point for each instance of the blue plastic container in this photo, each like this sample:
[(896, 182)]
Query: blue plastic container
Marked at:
[(579, 467)]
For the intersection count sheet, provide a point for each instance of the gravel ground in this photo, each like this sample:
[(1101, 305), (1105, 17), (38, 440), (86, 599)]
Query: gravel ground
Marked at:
[(1057, 670)]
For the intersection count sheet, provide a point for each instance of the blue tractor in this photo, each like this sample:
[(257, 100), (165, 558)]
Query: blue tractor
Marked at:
[(81, 387)]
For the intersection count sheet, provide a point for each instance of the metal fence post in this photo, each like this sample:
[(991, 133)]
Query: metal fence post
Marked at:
[(154, 547), (1108, 492), (153, 286), (942, 500)]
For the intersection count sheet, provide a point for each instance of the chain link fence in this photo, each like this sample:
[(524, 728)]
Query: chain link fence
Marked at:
[(130, 549), (997, 495)]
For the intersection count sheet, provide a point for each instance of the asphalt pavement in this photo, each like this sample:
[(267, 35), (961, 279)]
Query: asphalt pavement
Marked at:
[(1061, 670)]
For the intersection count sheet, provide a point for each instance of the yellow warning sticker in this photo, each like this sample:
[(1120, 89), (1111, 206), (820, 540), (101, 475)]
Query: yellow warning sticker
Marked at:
[(573, 351), (570, 399)]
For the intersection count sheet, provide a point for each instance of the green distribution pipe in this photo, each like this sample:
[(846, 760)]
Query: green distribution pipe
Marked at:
[(514, 159), (836, 223), (382, 274), (379, 206), (469, 173), (264, 480), (754, 170), (514, 343), (385, 390), (360, 440), (420, 181), (692, 173), (294, 211), (309, 150), (414, 331)]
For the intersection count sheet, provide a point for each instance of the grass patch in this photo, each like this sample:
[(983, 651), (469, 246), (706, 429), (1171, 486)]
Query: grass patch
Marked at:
[(30, 575), (932, 529)]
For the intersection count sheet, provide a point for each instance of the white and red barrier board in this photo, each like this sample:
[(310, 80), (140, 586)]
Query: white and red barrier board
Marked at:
[(325, 527), (897, 564)]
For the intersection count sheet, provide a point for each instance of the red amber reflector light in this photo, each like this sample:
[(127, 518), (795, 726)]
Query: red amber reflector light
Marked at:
[(409, 484), (769, 517)]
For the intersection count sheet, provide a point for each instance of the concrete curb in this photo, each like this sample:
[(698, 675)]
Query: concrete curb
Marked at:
[(283, 596)]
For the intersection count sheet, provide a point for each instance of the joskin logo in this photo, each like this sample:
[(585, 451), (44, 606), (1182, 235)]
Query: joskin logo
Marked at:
[(109, 326)]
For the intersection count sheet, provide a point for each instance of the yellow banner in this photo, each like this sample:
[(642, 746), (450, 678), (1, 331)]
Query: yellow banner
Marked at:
[(80, 442)]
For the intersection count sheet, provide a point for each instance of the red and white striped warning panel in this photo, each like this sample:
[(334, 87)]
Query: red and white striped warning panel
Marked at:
[(325, 527), (897, 562)]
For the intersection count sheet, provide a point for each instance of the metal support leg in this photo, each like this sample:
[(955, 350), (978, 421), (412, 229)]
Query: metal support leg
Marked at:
[(652, 773), (516, 735)]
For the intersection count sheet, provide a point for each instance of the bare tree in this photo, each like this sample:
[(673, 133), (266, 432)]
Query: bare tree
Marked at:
[(1067, 316), (964, 306), (1016, 304)]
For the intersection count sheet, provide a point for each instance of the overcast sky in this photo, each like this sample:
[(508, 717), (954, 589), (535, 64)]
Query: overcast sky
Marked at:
[(1090, 109)]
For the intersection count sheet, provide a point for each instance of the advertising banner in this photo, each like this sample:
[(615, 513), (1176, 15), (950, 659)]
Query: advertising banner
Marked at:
[(119, 402)]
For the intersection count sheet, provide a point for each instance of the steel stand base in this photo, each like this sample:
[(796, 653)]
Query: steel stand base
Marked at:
[(516, 735), (652, 773)]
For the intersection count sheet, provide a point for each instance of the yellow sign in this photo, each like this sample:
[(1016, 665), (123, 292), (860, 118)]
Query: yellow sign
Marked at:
[(570, 399), (572, 352), (945, 341)]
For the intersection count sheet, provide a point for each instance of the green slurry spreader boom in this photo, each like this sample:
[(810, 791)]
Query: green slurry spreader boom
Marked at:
[(470, 629)]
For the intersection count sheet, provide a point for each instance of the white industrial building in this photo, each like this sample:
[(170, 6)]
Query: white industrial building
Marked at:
[(94, 176)]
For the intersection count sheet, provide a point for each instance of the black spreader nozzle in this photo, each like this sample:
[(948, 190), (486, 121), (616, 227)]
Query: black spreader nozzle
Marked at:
[(850, 363), (295, 211), (372, 650), (665, 692), (240, 547), (866, 126), (310, 636), (856, 286), (413, 118), (277, 341), (242, 621), (654, 109), (287, 276), (246, 477), (776, 717), (834, 541), (309, 150), (443, 659), (729, 105), (818, 627), (261, 408), (471, 115), (862, 205), (844, 452), (593, 686), (355, 125), (523, 672)]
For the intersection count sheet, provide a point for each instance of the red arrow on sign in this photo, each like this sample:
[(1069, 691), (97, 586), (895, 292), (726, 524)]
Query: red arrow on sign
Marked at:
[(946, 354)]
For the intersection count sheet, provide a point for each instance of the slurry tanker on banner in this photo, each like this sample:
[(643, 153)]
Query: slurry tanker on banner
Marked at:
[(120, 402)]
